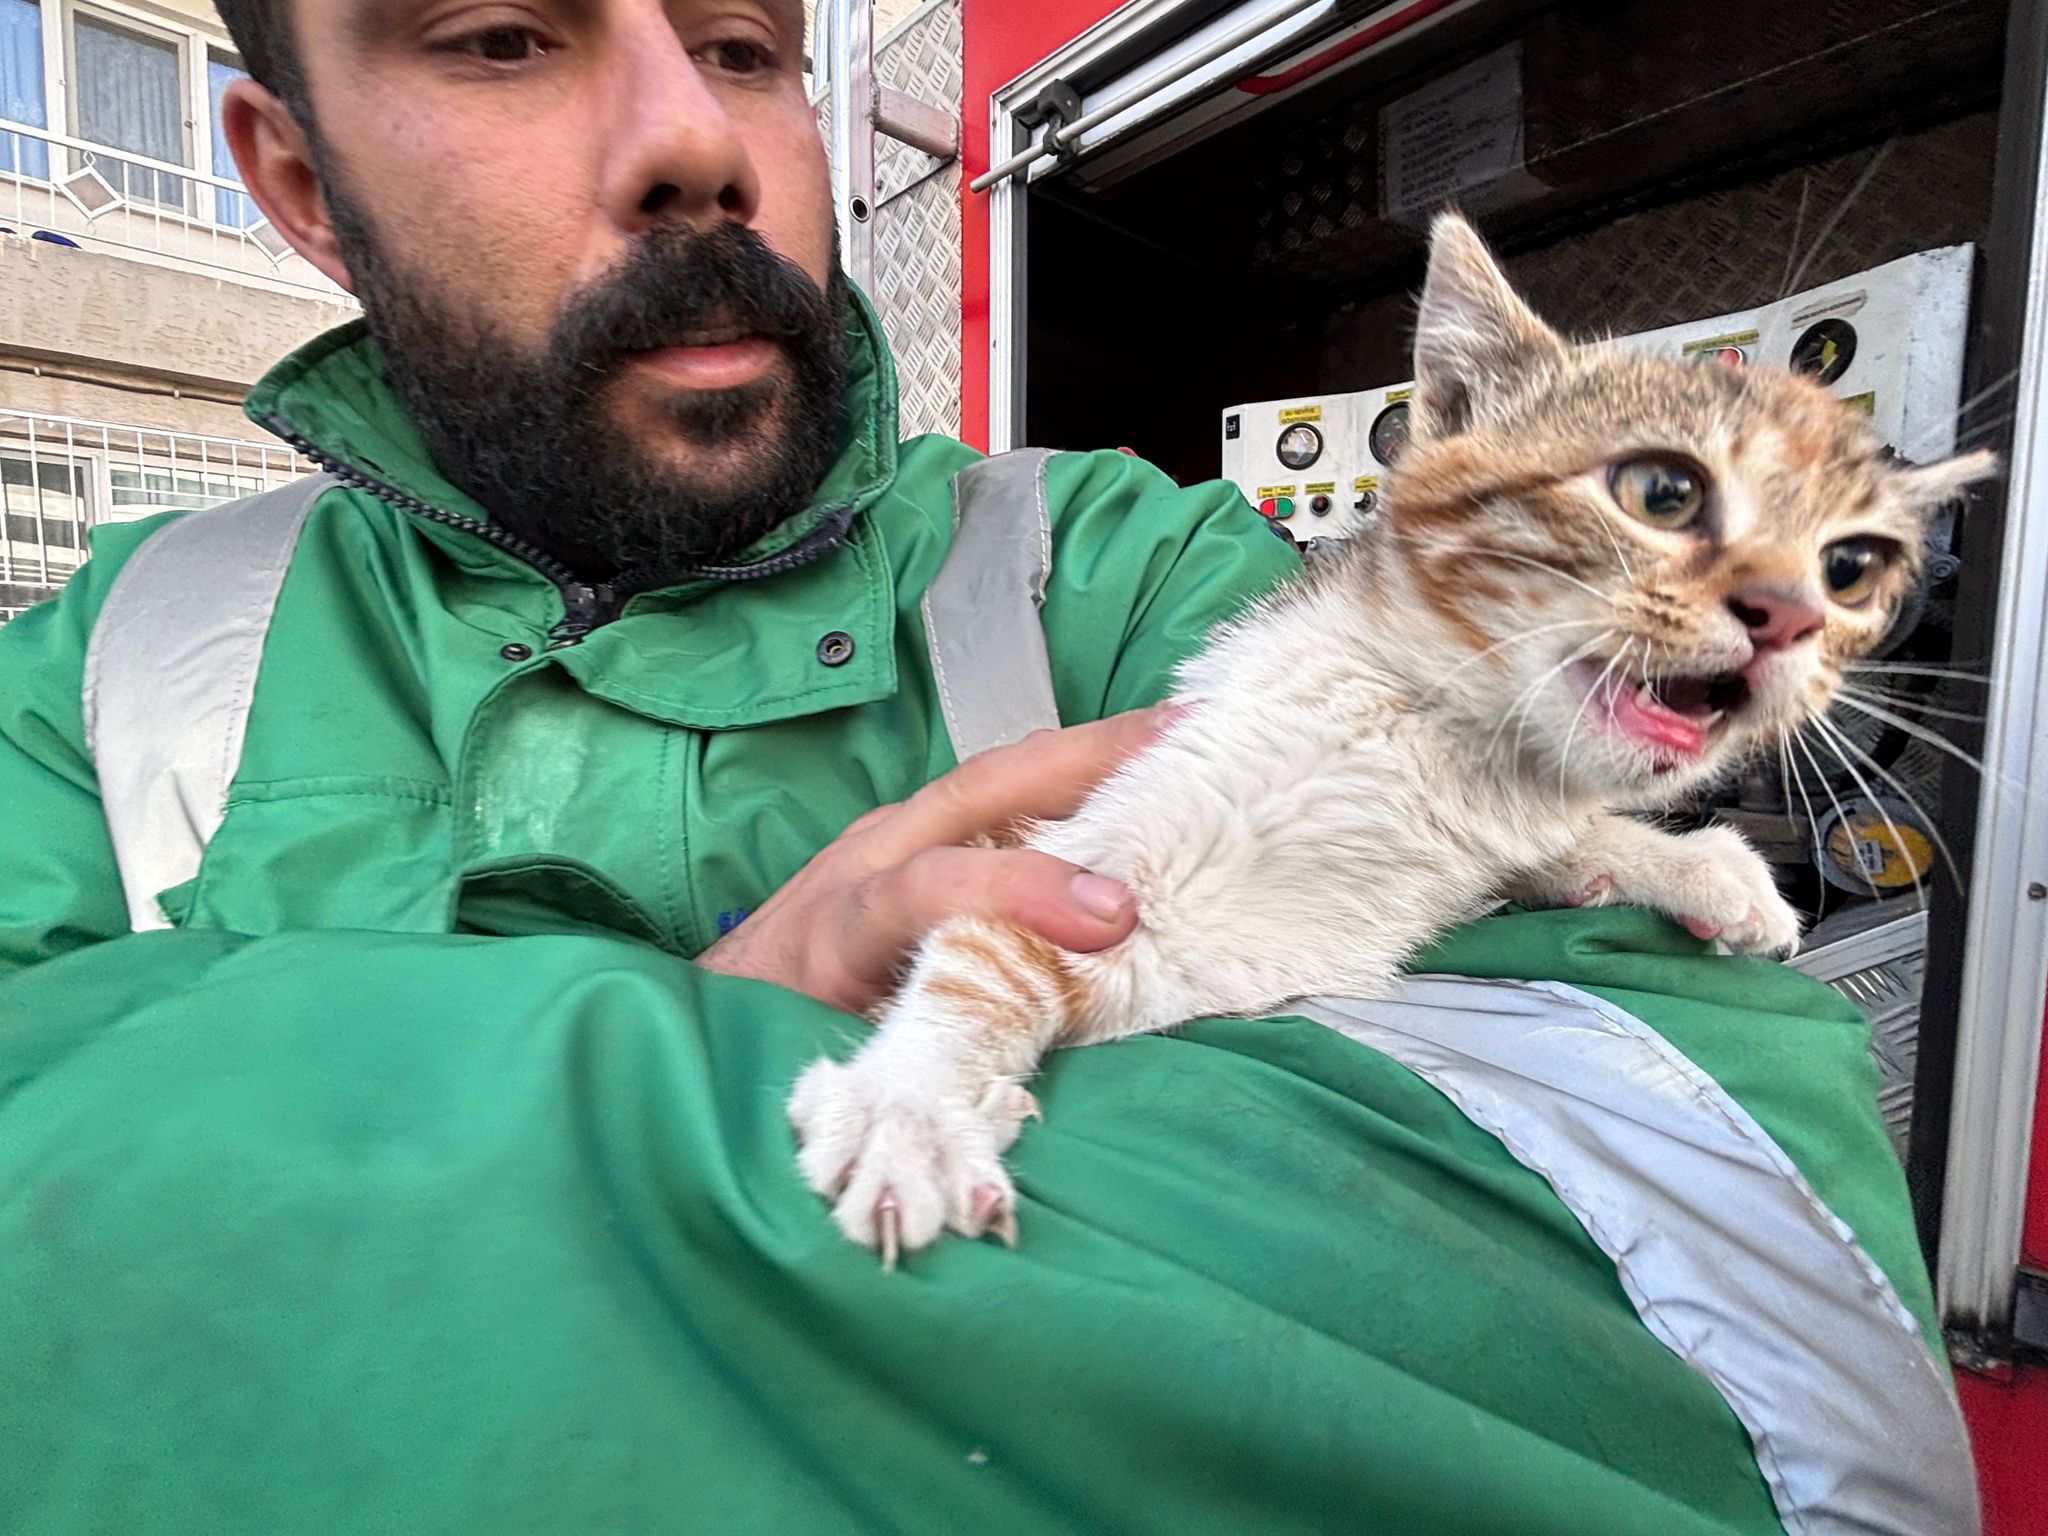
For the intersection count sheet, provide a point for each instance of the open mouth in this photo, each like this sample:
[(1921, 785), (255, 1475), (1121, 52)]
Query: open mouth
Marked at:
[(1677, 712)]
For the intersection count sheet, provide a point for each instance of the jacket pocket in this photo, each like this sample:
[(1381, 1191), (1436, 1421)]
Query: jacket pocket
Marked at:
[(334, 852)]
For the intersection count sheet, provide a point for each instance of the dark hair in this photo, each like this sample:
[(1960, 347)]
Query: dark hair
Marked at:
[(262, 30)]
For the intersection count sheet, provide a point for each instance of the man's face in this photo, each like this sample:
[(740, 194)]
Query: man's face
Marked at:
[(595, 238)]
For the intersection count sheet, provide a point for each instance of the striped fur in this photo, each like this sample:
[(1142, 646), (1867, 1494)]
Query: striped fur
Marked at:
[(1388, 747)]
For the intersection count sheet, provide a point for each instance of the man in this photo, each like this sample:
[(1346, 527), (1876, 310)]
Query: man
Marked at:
[(430, 1173)]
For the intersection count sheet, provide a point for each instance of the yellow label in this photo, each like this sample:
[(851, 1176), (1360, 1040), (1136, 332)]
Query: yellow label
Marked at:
[(1273, 492), (1396, 396), (1301, 413), (1327, 488), (1865, 402), (1715, 343), (1887, 855), (1365, 485)]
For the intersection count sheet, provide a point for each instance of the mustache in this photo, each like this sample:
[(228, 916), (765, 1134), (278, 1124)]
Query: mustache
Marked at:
[(679, 283)]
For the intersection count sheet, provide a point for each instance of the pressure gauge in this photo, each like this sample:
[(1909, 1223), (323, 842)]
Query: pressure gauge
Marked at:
[(1299, 446), (1390, 433)]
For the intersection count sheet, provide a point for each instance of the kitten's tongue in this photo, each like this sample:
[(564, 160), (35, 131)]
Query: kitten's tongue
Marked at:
[(1676, 714), (1636, 714)]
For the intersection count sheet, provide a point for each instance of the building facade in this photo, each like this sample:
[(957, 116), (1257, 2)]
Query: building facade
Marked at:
[(141, 291)]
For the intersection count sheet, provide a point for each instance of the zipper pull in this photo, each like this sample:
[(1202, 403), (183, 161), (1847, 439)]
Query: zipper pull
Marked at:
[(584, 608)]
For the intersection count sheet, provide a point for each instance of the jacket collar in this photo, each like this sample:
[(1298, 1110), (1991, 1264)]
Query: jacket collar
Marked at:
[(331, 399)]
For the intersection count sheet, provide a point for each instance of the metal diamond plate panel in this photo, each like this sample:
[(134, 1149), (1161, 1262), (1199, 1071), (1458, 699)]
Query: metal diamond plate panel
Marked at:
[(917, 291), (923, 59)]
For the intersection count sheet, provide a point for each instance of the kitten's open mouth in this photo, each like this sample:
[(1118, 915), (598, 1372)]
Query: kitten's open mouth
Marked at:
[(1677, 712)]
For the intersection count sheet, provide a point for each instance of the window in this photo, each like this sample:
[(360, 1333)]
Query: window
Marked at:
[(127, 95), (139, 492), (42, 514), (21, 88), (234, 209)]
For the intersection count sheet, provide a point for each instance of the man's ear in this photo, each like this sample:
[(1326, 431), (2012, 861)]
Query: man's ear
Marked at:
[(277, 167), (1473, 333)]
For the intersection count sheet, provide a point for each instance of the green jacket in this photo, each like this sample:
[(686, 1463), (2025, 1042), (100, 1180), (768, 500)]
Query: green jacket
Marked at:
[(420, 1182)]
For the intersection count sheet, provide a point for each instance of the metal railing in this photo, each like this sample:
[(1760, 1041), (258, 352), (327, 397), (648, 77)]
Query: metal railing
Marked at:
[(74, 192), (62, 476)]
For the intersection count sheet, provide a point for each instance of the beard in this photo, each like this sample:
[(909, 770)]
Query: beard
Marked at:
[(535, 436)]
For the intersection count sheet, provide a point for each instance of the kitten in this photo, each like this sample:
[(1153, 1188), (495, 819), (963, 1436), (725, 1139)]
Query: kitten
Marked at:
[(1599, 582)]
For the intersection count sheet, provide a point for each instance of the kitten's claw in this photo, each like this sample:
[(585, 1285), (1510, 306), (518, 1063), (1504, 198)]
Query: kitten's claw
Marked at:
[(1593, 894), (889, 1222), (902, 1157)]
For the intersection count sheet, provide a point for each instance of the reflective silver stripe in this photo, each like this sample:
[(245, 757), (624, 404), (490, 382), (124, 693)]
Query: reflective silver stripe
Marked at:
[(169, 674), (981, 613), (1730, 1258)]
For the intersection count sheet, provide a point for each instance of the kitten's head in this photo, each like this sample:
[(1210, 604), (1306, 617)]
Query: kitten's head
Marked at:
[(1667, 565)]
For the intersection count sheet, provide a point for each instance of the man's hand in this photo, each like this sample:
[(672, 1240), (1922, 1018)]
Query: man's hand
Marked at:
[(842, 928)]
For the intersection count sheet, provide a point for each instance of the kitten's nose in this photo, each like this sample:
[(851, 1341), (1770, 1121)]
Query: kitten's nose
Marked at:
[(1775, 620)]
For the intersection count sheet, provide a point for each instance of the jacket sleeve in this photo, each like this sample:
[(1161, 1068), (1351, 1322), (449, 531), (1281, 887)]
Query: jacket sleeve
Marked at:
[(1142, 571), (59, 887)]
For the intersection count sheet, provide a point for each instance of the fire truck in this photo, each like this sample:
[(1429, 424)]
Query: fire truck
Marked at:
[(1194, 228)]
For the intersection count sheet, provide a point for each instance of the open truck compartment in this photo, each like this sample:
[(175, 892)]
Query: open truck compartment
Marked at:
[(1225, 245)]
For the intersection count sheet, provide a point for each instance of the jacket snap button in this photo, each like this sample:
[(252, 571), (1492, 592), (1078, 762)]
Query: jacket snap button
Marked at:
[(836, 649), (517, 652)]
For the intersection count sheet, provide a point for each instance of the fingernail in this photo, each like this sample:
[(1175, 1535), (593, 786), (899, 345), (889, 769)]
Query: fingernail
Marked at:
[(1099, 896)]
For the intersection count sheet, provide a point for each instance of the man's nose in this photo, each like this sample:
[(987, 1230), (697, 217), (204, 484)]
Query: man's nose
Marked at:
[(1776, 619), (675, 151)]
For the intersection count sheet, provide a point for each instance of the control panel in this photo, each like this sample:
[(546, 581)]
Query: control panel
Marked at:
[(1889, 340)]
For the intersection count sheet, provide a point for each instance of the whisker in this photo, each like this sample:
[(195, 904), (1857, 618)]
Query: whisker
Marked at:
[(1833, 737), (1530, 634), (1957, 671), (1841, 815), (1564, 760), (1907, 795), (1986, 393), (1798, 229), (1896, 702), (1841, 211), (1938, 742), (1799, 778), (1511, 555), (1526, 698)]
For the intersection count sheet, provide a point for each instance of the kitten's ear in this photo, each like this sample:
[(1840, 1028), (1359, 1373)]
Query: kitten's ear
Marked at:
[(1927, 486), (1474, 332)]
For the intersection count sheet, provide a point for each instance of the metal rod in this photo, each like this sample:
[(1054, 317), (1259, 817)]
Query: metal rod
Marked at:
[(851, 52), (1063, 136)]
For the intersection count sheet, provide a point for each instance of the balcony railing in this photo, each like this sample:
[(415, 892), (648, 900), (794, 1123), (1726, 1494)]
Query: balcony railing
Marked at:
[(72, 192), (62, 476)]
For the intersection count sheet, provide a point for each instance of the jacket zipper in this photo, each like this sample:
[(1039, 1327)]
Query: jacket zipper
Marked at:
[(586, 606)]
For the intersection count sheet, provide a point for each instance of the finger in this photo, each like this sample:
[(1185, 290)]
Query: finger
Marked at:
[(1045, 776), (1059, 902)]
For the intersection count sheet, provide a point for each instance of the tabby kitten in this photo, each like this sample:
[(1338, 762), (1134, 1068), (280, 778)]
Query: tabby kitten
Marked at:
[(1600, 581)]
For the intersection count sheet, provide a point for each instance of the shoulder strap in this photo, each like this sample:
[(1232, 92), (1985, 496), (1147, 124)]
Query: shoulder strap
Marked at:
[(1726, 1251), (168, 677), (981, 611)]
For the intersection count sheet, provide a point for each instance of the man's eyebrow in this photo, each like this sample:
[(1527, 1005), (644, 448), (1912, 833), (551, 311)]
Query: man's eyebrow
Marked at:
[(374, 21)]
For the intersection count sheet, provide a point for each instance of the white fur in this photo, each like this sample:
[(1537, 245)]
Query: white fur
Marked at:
[(1329, 763)]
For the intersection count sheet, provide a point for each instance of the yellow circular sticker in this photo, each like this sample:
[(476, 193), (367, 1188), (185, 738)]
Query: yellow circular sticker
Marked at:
[(1885, 855)]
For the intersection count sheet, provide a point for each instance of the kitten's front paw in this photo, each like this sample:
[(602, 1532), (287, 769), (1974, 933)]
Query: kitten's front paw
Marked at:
[(900, 1159), (1717, 886)]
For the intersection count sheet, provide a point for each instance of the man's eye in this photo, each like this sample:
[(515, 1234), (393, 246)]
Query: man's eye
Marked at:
[(737, 57), (504, 45)]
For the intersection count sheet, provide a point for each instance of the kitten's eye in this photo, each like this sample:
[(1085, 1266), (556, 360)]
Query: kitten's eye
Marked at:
[(1661, 492), (1853, 568)]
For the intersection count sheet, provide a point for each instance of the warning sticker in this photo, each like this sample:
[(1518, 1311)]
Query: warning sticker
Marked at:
[(1718, 343), (1365, 484), (1458, 138), (1396, 396), (1301, 413), (1325, 488), (1865, 402), (1269, 492)]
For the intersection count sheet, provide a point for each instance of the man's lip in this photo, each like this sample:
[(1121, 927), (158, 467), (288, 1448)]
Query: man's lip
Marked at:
[(723, 359)]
